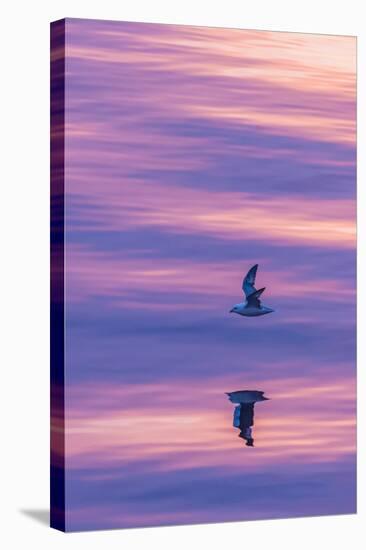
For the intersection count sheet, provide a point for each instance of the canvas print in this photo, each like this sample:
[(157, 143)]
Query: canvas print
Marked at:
[(203, 256)]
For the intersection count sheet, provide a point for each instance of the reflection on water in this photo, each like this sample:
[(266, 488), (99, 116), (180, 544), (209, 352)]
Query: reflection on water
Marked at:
[(244, 412)]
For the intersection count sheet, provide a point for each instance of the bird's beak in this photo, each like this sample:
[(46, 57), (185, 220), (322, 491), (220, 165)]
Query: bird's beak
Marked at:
[(231, 310)]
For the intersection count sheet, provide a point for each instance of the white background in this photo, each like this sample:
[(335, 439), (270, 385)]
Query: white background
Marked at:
[(24, 306)]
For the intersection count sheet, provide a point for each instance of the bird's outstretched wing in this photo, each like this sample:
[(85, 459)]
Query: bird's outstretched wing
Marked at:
[(249, 281), (253, 299), (244, 395)]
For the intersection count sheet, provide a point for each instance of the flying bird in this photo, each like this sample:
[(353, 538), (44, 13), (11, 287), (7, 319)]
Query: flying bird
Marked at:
[(252, 307), (244, 412)]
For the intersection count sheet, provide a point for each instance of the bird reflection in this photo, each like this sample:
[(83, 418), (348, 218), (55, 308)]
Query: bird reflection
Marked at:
[(244, 412)]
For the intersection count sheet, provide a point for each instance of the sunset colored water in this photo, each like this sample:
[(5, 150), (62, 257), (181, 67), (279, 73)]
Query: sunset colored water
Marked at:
[(192, 154)]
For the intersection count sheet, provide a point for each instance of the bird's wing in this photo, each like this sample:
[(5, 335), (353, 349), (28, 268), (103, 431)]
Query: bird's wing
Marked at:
[(249, 281), (256, 393), (253, 299)]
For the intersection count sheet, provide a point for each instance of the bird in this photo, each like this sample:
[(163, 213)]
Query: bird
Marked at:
[(252, 306), (244, 412), (246, 396)]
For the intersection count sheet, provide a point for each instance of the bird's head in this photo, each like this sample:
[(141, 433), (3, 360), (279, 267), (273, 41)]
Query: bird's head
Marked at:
[(235, 309)]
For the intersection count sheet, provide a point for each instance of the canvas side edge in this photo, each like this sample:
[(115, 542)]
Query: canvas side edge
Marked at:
[(57, 317)]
